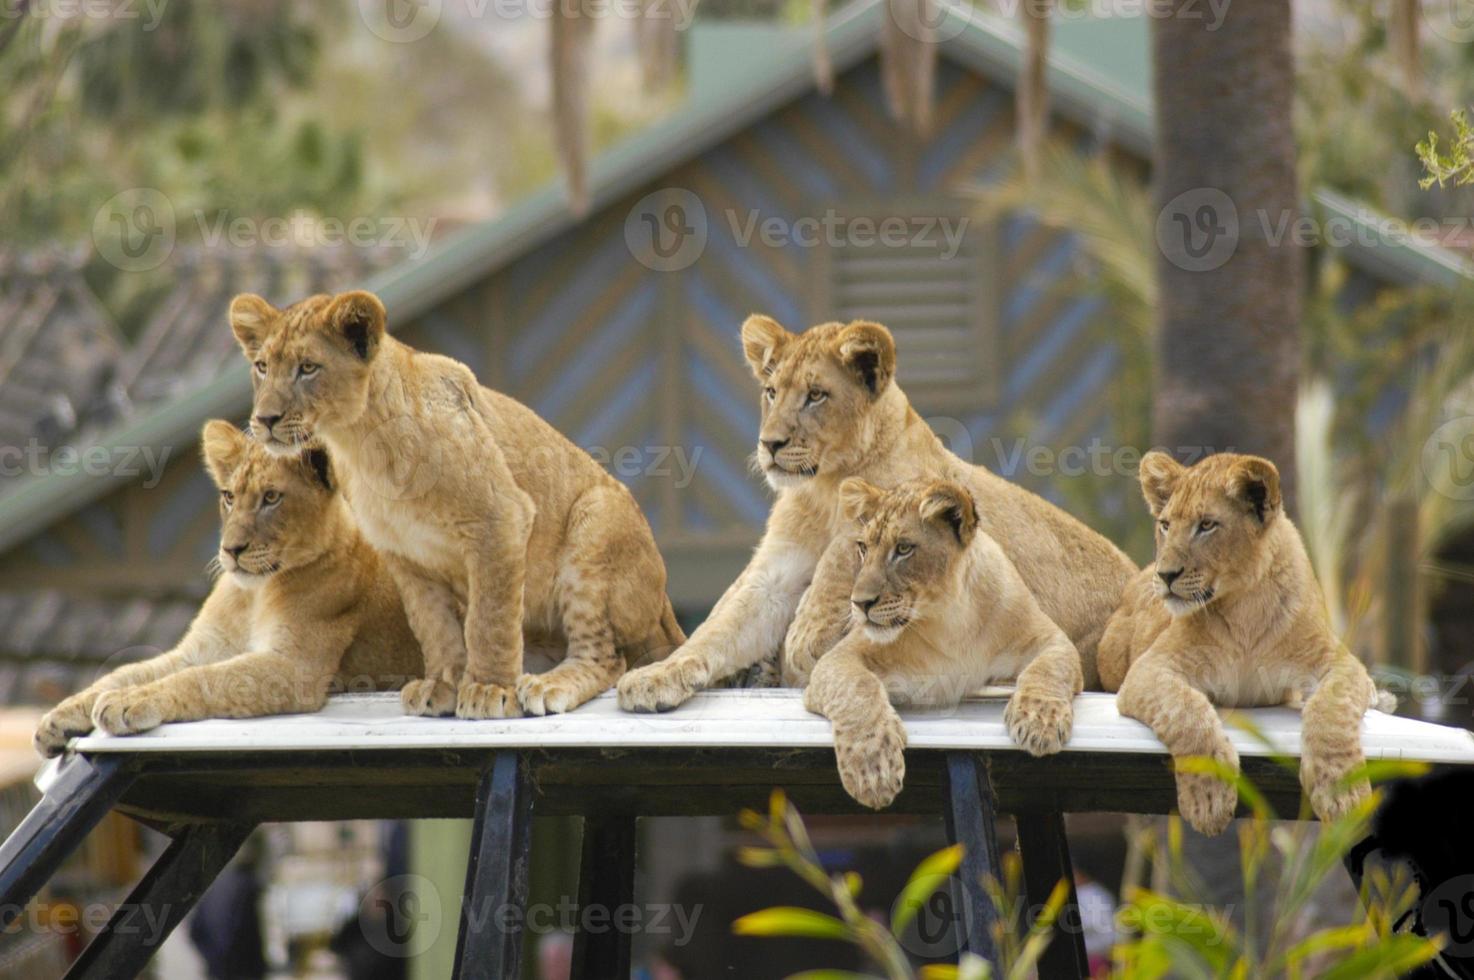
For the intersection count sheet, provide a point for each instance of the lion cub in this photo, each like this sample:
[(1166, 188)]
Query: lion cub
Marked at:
[(303, 606), (1230, 614), (497, 529), (939, 611)]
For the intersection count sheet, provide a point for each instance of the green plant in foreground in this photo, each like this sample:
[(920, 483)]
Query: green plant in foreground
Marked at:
[(789, 846), (1176, 931), (1282, 868)]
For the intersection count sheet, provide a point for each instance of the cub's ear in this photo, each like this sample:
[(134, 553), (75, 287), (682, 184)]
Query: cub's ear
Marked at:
[(857, 499), (223, 446), (1158, 474), (318, 469), (358, 318), (952, 506), (762, 339), (869, 352), (1254, 482), (251, 318)]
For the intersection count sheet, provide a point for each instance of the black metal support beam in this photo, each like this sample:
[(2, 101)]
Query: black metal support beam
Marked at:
[(495, 904), (82, 793), (606, 882), (160, 902), (1045, 852), (972, 822)]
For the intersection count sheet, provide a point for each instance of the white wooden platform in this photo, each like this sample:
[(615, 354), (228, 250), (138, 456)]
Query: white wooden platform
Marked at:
[(738, 718)]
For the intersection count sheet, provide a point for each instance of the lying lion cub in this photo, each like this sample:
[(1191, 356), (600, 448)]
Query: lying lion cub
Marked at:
[(1230, 614), (304, 605), (496, 528), (940, 611)]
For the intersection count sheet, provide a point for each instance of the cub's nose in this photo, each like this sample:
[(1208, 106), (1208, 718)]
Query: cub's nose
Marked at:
[(864, 605), (1168, 577), (267, 421), (234, 550), (773, 445)]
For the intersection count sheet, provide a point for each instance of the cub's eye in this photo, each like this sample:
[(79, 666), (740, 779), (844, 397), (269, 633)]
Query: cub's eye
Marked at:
[(228, 497), (1164, 525), (307, 369), (904, 549), (770, 393), (860, 547), (271, 497), (261, 368), (1206, 524), (815, 396)]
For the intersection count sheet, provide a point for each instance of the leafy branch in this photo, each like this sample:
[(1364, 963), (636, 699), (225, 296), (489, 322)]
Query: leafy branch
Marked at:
[(1454, 165)]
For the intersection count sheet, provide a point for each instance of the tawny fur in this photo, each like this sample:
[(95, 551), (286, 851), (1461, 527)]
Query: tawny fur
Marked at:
[(303, 607), (499, 531), (939, 611), (794, 594), (1242, 623)]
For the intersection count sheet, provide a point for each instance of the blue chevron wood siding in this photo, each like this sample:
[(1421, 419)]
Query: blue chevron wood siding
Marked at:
[(626, 359)]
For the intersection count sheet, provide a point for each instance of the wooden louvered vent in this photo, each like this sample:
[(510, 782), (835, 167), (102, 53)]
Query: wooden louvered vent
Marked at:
[(936, 295)]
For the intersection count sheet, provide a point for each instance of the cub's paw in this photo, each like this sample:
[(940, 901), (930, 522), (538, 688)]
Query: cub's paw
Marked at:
[(872, 760), (127, 711), (429, 697), (1206, 802), (1039, 723), (548, 694), (61, 724), (477, 701), (662, 686), (1331, 795)]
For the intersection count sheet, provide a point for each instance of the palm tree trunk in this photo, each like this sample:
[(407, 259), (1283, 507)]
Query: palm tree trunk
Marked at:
[(1228, 344)]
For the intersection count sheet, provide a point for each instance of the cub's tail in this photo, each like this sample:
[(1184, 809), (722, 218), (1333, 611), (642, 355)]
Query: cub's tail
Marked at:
[(674, 635), (661, 642)]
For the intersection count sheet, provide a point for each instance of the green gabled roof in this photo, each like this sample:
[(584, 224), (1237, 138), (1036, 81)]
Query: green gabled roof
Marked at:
[(1098, 75)]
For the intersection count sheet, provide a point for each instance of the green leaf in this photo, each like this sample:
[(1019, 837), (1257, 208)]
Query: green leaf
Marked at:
[(929, 875), (759, 857), (1392, 957), (788, 920), (1210, 939)]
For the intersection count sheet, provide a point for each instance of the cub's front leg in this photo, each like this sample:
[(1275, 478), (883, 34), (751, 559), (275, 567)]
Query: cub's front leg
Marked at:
[(1331, 755), (1041, 712), (205, 642), (869, 738), (823, 616), (746, 625), (430, 607), (1158, 693), (496, 569), (247, 686)]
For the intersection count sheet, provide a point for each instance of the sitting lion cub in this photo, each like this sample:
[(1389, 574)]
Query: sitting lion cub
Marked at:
[(1230, 614), (941, 611), (304, 605), (497, 529)]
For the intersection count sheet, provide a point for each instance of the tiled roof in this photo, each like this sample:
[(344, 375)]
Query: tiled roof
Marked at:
[(55, 643)]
